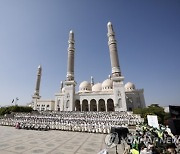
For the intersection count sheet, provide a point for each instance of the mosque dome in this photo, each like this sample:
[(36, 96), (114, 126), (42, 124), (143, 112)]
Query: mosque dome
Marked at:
[(129, 86), (97, 87), (85, 86), (107, 85), (63, 90)]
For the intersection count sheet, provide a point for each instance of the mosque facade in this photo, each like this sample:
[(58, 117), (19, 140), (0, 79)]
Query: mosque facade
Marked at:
[(110, 95)]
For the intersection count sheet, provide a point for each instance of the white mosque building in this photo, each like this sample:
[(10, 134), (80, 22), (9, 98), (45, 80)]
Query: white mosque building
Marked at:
[(110, 95)]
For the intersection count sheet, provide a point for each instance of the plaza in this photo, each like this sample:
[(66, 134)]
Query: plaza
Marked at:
[(19, 141)]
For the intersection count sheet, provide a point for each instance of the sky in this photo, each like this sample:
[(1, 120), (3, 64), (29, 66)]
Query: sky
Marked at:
[(35, 32)]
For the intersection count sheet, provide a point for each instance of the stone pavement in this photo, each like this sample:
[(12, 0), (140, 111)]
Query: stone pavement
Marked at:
[(14, 141)]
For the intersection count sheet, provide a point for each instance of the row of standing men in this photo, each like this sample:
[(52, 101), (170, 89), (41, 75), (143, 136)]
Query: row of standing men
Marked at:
[(95, 122)]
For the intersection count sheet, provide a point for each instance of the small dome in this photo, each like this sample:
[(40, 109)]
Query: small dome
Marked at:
[(129, 86), (63, 90), (97, 87), (85, 86), (107, 85)]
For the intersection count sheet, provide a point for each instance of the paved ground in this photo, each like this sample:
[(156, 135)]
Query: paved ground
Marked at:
[(14, 141)]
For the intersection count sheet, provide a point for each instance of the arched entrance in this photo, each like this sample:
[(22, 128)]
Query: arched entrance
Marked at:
[(101, 105), (93, 105), (58, 105), (77, 105), (110, 105), (85, 105)]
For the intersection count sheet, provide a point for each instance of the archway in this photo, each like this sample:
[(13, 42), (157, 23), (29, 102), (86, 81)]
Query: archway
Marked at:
[(77, 105), (110, 105), (101, 105), (130, 108), (93, 105), (85, 105), (58, 105)]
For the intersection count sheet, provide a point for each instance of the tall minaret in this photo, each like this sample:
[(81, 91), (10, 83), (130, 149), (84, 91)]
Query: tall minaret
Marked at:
[(118, 86), (113, 51), (70, 65), (68, 101), (36, 95)]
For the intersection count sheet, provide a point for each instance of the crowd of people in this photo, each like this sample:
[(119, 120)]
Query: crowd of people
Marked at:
[(150, 140), (96, 122), (144, 140)]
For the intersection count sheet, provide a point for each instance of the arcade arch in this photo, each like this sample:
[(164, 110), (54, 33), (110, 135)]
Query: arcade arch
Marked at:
[(110, 105), (93, 105), (77, 105), (101, 105), (85, 105)]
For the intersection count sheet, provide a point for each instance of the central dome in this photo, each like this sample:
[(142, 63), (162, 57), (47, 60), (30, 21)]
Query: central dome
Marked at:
[(85, 86), (97, 87), (107, 85)]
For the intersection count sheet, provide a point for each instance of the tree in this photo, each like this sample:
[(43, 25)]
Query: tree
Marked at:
[(153, 109), (16, 108)]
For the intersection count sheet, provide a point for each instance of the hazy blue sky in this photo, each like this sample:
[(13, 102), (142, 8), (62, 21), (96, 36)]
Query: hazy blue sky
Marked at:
[(34, 32)]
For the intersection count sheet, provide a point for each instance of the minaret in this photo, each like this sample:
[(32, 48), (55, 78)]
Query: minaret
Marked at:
[(70, 65), (117, 78), (61, 86), (36, 95), (113, 51), (92, 81), (70, 84)]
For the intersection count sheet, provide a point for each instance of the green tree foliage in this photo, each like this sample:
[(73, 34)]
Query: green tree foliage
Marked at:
[(10, 109), (153, 109)]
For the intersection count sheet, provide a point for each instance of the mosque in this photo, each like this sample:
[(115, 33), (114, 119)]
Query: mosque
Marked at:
[(110, 95)]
